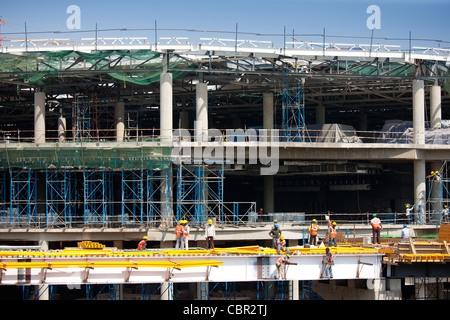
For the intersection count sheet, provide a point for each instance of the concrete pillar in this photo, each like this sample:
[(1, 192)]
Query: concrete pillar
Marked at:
[(436, 203), (44, 293), (320, 113), (61, 129), (269, 194), (201, 112), (435, 107), (419, 111), (268, 110), (166, 287), (419, 190), (120, 121), (294, 290), (166, 108), (39, 117)]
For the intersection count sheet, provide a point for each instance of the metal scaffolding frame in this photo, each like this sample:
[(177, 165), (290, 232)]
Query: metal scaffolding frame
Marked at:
[(97, 198), (60, 197), (200, 193), (293, 126), (159, 196), (23, 198), (132, 197)]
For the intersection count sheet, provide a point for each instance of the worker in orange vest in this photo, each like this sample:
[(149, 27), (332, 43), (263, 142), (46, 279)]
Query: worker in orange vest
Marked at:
[(376, 228), (179, 236), (329, 261), (332, 235), (313, 228), (143, 243)]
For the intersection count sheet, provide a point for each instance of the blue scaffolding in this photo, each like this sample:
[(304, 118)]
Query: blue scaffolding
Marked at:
[(23, 208), (200, 193), (132, 197), (3, 201), (98, 196), (159, 197), (60, 198), (293, 127)]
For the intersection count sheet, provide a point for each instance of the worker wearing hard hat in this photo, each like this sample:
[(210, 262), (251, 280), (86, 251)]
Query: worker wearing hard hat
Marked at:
[(179, 235), (186, 234), (143, 243), (313, 229), (210, 235), (376, 228), (332, 235), (275, 233), (280, 264), (282, 247)]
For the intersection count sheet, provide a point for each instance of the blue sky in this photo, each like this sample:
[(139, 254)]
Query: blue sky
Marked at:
[(425, 19)]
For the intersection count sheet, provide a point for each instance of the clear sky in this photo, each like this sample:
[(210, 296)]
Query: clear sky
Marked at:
[(424, 19)]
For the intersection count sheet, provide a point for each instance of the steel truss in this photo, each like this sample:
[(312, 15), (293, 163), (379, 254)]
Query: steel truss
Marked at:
[(60, 198), (200, 193), (23, 198)]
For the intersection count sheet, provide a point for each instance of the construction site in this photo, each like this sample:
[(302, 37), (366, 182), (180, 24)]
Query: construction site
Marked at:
[(104, 141)]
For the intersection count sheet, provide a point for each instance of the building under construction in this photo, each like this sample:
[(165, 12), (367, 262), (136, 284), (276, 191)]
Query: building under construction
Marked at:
[(112, 139)]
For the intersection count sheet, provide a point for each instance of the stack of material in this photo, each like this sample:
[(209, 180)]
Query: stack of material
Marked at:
[(419, 251), (90, 245), (444, 232)]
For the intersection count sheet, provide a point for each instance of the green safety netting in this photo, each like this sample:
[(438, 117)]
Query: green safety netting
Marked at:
[(75, 156), (40, 67)]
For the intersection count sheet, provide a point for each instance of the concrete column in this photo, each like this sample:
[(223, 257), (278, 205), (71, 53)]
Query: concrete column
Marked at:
[(44, 293), (435, 107), (61, 129), (268, 110), (320, 113), (120, 121), (419, 111), (269, 194), (294, 290), (419, 190), (166, 287), (201, 111), (39, 117), (166, 107)]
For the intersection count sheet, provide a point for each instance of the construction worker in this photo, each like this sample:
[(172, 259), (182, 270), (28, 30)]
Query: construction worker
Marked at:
[(210, 235), (332, 235), (186, 234), (329, 261), (281, 262), (275, 233), (313, 229), (281, 246), (445, 214), (143, 243), (179, 235), (405, 232), (376, 228), (409, 212)]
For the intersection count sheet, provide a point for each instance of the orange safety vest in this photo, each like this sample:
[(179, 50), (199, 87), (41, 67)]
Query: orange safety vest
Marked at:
[(329, 257), (314, 228), (179, 230), (280, 260), (333, 233), (186, 230), (141, 245), (376, 223)]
